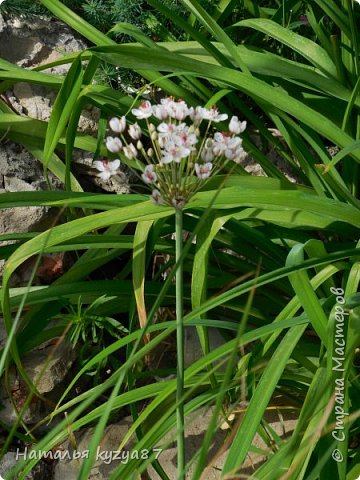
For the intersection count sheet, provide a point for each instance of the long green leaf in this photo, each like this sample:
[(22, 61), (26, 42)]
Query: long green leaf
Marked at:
[(302, 45), (133, 57)]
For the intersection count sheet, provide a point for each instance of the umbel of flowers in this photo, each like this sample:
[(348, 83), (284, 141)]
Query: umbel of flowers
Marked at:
[(184, 147), (177, 148)]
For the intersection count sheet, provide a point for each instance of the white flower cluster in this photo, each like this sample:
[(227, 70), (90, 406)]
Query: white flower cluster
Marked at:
[(179, 157)]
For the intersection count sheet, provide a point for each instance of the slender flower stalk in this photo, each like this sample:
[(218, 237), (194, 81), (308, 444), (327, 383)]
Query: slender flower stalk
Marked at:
[(180, 344), (177, 164)]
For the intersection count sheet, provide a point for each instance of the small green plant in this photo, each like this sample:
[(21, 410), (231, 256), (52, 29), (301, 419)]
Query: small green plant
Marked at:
[(87, 326)]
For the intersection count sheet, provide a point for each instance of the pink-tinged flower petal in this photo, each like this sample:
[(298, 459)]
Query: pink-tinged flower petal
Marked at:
[(203, 171), (166, 101), (104, 175), (235, 126), (144, 111), (213, 115), (157, 198), (113, 144), (99, 165), (197, 114), (221, 142), (114, 165), (160, 112), (107, 168), (166, 128), (234, 142), (174, 152), (166, 159), (240, 156), (149, 176), (219, 148), (184, 138), (178, 110), (118, 125), (235, 153), (221, 137)]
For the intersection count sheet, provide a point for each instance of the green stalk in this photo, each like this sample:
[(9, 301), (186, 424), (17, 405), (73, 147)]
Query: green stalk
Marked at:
[(180, 345)]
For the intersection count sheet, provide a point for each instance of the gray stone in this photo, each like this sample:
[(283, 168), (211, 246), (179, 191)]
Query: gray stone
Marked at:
[(29, 43), (8, 415), (46, 366), (17, 162), (21, 219), (2, 24), (254, 168), (39, 42), (196, 427), (113, 435), (41, 471), (8, 462), (34, 101), (193, 350), (21, 172)]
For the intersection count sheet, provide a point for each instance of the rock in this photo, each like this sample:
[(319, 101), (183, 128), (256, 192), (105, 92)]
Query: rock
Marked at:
[(193, 350), (2, 24), (33, 414), (47, 367), (30, 44), (41, 471), (17, 162), (254, 168), (32, 100), (101, 470), (196, 427), (21, 172), (22, 219)]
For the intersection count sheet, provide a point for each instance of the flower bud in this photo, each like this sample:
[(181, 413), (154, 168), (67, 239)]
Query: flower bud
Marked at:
[(113, 144), (118, 125), (135, 131), (162, 142), (130, 152), (157, 198)]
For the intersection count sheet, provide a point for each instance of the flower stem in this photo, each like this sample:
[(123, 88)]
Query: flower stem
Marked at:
[(180, 345)]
